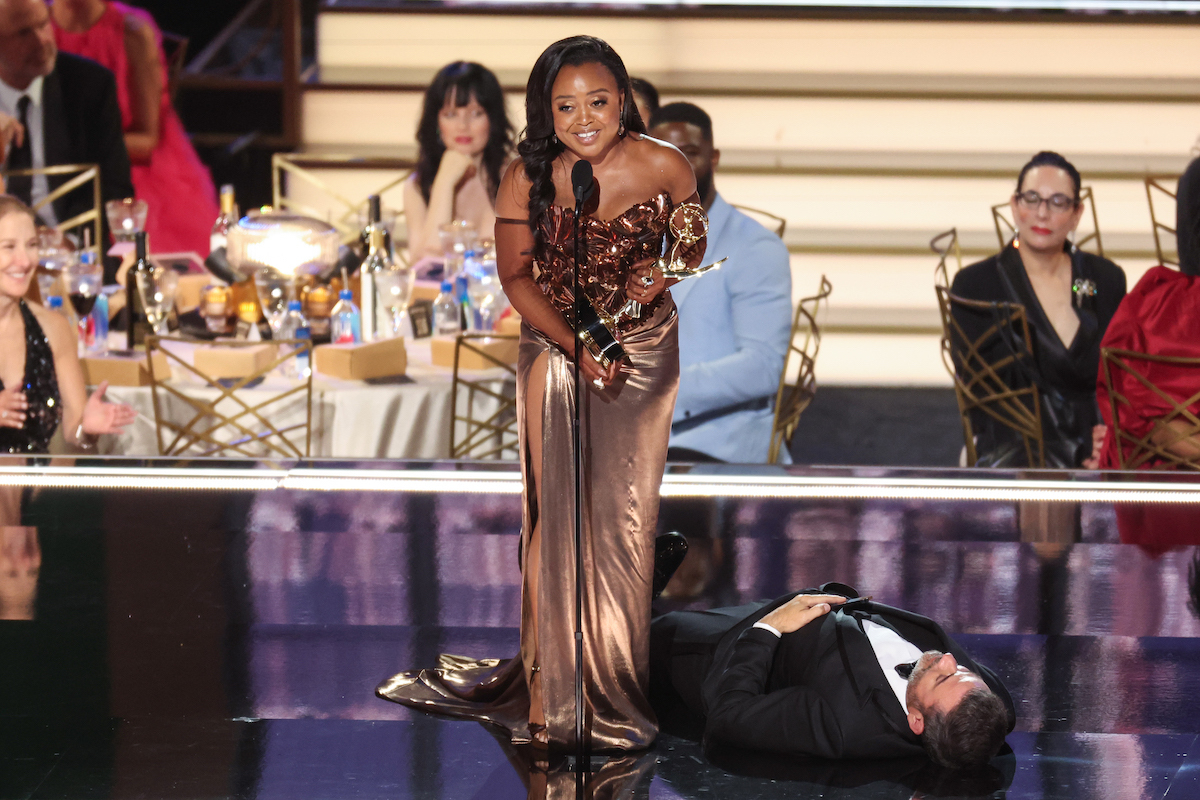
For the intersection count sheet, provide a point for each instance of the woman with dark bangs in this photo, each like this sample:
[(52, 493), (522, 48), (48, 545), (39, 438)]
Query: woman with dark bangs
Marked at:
[(464, 140)]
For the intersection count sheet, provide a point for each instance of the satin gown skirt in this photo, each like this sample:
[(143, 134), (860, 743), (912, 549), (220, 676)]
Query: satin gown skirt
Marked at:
[(625, 429)]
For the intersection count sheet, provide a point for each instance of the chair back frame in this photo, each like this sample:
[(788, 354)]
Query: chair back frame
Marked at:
[(979, 384), (1006, 229), (804, 344), (80, 174), (497, 433), (778, 224), (1155, 188), (1144, 449), (285, 168), (175, 438)]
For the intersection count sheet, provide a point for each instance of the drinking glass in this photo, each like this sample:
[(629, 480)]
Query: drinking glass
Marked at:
[(158, 290), (84, 280), (54, 253), (395, 289), (126, 218), (486, 296), (457, 238), (274, 291)]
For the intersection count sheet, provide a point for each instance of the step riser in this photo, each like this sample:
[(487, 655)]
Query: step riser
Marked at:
[(986, 48), (773, 124)]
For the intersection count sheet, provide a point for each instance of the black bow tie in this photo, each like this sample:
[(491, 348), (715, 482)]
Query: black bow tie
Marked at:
[(905, 670)]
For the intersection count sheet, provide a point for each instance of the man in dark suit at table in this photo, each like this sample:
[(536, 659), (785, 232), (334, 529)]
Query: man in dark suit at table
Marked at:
[(831, 675), (56, 108)]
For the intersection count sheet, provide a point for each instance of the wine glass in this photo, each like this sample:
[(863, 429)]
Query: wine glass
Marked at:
[(273, 293), (84, 279), (54, 254), (158, 289), (395, 289), (457, 238), (126, 217)]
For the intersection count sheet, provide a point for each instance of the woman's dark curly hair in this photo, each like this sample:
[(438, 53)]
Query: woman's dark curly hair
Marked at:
[(539, 147), (463, 81)]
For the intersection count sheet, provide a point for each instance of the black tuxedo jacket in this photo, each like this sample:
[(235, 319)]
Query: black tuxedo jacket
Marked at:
[(82, 125), (817, 692)]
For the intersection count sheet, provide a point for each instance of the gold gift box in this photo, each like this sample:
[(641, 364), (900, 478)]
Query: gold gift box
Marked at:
[(358, 362), (130, 370), (234, 362), (503, 350)]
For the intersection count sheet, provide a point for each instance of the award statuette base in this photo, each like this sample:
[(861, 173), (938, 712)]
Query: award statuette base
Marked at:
[(597, 331)]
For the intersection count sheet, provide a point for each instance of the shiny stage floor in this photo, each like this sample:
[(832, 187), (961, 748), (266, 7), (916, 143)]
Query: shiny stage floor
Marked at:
[(189, 644)]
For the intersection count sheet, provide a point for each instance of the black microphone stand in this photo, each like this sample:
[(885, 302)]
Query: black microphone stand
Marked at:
[(582, 184)]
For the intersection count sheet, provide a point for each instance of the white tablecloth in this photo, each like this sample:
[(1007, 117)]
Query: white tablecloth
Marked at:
[(350, 419)]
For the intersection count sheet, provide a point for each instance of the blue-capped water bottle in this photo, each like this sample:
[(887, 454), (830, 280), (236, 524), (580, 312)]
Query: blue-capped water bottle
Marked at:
[(295, 326), (345, 322), (447, 313)]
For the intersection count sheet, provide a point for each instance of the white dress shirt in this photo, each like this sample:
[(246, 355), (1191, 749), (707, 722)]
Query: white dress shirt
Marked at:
[(37, 142), (890, 649)]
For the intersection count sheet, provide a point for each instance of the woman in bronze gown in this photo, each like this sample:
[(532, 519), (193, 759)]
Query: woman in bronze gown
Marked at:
[(579, 105)]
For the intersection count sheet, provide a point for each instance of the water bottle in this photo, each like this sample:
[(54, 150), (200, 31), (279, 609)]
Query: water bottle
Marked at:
[(345, 323), (447, 313), (100, 322), (295, 326), (54, 303)]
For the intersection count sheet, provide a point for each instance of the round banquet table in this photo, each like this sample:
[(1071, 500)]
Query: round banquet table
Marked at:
[(398, 418)]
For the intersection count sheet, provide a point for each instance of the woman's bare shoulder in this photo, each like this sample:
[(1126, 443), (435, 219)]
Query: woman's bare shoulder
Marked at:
[(665, 161)]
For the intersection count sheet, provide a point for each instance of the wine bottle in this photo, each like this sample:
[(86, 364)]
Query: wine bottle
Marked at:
[(374, 220), (225, 220), (377, 261), (137, 324)]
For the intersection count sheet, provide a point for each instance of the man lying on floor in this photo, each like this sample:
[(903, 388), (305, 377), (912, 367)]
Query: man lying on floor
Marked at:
[(829, 674)]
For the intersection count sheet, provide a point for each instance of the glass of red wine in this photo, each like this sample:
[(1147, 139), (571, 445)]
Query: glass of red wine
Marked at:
[(84, 279)]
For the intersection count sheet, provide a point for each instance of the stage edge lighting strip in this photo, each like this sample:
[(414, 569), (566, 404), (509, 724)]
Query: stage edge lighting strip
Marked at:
[(674, 485), (1137, 6)]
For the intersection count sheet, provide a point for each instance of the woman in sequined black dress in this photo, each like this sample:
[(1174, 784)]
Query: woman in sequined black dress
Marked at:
[(579, 106), (41, 380)]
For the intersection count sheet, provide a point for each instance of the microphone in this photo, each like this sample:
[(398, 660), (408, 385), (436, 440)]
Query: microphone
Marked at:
[(581, 180)]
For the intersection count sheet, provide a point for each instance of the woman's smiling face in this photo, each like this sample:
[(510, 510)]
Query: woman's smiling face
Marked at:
[(18, 253), (587, 109)]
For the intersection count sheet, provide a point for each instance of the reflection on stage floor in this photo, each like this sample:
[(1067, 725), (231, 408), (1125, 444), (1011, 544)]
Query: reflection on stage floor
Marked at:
[(227, 643)]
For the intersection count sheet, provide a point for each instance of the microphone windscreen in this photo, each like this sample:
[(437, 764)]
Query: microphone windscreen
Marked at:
[(581, 179)]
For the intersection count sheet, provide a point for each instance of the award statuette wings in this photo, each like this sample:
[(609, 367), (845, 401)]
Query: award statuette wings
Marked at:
[(598, 329)]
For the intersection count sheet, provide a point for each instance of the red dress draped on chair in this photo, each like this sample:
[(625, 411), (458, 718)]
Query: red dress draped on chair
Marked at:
[(1160, 316), (174, 183)]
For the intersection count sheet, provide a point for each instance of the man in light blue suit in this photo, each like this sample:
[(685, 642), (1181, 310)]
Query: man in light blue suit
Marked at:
[(734, 322)]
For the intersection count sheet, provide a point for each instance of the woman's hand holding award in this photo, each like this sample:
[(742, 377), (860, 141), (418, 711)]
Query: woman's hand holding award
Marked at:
[(598, 329)]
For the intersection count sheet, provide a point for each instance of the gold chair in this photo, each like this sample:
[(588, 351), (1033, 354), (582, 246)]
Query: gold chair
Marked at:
[(202, 427), (792, 399), (945, 245), (1158, 210), (979, 384), (294, 175), (1006, 230), (483, 409), (74, 176), (771, 222), (1134, 452)]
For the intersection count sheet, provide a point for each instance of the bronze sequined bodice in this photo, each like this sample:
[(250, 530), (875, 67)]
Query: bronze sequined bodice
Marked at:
[(613, 247), (41, 391)]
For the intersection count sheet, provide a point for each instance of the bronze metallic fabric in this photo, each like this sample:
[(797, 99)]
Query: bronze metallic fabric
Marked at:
[(625, 428)]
